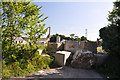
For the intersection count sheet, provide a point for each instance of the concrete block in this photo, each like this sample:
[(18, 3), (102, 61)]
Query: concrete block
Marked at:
[(40, 51), (61, 57)]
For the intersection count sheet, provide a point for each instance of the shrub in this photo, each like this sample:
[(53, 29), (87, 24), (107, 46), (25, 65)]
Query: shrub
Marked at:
[(53, 64), (111, 67), (23, 59), (30, 67), (14, 68), (5, 71)]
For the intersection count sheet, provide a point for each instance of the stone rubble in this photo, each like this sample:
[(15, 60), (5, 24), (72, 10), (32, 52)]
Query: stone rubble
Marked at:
[(83, 59)]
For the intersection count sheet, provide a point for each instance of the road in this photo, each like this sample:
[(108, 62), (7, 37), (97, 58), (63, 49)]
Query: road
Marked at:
[(64, 72)]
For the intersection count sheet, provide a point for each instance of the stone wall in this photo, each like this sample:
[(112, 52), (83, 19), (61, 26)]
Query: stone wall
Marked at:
[(91, 46), (71, 46), (100, 58), (53, 47)]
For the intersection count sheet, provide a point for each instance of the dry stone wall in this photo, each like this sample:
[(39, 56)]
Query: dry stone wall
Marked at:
[(91, 46), (53, 47), (71, 46)]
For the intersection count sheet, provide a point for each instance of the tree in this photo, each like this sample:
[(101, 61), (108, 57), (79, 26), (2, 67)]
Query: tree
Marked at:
[(21, 18), (76, 37), (35, 29), (72, 35), (53, 38), (83, 38), (12, 20), (110, 34)]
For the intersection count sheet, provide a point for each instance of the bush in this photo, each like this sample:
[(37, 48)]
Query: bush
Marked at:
[(22, 59), (30, 67), (110, 68), (5, 71), (53, 64)]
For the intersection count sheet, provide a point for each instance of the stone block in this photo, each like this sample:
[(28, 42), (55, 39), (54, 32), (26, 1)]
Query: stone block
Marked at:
[(88, 45), (61, 57), (71, 46), (53, 47), (83, 59)]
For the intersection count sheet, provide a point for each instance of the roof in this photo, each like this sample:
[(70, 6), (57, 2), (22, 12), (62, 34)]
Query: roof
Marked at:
[(18, 38), (43, 39)]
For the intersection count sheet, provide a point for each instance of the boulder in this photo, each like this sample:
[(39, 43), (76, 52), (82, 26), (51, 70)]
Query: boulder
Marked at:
[(83, 59)]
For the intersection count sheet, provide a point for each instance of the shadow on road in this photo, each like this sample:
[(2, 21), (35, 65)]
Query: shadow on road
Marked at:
[(65, 72)]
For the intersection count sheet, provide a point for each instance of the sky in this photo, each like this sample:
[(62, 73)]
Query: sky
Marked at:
[(74, 17)]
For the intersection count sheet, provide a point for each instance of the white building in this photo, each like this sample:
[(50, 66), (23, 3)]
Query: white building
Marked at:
[(18, 40), (43, 40)]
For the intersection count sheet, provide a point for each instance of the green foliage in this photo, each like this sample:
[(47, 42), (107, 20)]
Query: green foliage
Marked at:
[(72, 35), (5, 71), (53, 64), (25, 60), (53, 38), (83, 38), (22, 18), (110, 34), (30, 67), (91, 41), (12, 19), (35, 28), (110, 68)]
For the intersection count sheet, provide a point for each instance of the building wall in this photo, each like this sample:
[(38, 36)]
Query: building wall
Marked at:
[(20, 41)]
